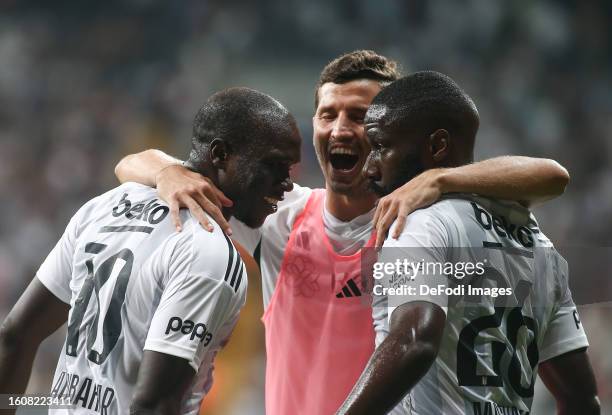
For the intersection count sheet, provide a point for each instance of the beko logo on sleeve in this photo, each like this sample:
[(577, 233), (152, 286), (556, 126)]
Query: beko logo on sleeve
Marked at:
[(188, 327)]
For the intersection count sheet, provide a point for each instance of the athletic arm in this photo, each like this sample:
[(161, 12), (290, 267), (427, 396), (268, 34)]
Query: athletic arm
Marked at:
[(37, 314), (176, 185), (162, 383), (143, 167), (41, 309), (565, 367), (402, 359), (569, 377), (525, 179)]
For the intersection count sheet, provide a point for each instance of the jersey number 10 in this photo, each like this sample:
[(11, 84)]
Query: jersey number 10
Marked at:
[(111, 327)]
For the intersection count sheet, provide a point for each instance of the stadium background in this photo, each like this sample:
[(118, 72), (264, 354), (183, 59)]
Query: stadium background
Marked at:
[(82, 84)]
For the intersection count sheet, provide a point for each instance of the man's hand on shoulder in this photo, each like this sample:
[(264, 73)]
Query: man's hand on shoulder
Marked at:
[(176, 185), (420, 192), (181, 187)]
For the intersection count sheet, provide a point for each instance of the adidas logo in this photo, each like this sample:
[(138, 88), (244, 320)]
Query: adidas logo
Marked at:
[(350, 289)]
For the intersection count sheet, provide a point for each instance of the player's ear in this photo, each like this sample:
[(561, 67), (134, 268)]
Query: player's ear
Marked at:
[(219, 152), (439, 144)]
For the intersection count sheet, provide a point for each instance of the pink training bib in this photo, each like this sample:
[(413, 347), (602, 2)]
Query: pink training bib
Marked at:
[(319, 333)]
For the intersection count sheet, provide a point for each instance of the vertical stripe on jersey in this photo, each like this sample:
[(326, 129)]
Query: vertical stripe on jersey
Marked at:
[(237, 266), (257, 254), (230, 260), (239, 276)]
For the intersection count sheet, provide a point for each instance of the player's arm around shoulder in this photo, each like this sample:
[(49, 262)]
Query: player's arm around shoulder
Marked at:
[(528, 180), (176, 185)]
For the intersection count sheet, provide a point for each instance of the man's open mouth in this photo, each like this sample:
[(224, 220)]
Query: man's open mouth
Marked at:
[(343, 158)]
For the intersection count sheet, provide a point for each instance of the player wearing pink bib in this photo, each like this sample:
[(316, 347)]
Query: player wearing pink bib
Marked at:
[(320, 291), (315, 346)]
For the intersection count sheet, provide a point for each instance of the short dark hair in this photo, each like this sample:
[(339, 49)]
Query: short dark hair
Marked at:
[(426, 101), (360, 64), (240, 116)]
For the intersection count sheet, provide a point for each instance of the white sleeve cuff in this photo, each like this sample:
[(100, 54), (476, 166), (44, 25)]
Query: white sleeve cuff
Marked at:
[(174, 350), (55, 288)]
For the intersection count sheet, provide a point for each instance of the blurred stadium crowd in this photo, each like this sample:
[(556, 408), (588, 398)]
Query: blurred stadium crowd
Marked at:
[(83, 85)]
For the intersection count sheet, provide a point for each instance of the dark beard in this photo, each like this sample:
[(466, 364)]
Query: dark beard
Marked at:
[(379, 191), (408, 170)]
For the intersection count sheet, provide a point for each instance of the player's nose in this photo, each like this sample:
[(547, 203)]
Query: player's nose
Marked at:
[(342, 128), (370, 169)]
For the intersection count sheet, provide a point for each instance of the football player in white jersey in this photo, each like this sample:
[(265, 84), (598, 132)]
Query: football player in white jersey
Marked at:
[(478, 348), (148, 307), (344, 91)]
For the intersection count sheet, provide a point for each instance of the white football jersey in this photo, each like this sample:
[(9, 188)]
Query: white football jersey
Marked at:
[(133, 284), (493, 339)]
